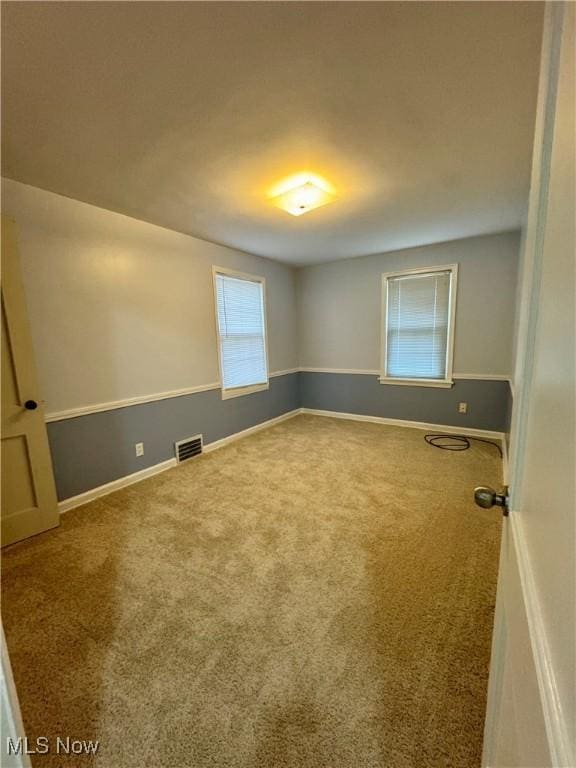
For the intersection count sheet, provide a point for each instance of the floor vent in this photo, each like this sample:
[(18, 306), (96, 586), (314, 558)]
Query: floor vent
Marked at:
[(188, 448)]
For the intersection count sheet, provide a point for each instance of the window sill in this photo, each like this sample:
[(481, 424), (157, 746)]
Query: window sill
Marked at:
[(227, 394), (442, 383)]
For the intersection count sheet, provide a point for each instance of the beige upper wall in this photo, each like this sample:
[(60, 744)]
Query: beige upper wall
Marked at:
[(339, 305), (120, 308)]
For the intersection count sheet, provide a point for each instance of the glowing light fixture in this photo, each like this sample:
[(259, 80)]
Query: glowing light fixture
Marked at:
[(301, 194)]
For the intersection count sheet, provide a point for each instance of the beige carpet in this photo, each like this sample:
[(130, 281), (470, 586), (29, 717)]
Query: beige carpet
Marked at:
[(318, 595)]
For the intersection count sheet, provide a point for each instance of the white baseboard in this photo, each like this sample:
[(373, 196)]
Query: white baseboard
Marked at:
[(250, 431), (135, 477), (404, 423), (555, 718), (115, 485)]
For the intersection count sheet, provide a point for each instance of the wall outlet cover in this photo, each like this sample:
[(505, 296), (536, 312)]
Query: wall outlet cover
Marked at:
[(139, 449), (462, 407)]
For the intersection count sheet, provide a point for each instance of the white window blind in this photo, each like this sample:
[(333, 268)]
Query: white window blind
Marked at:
[(241, 331), (418, 325)]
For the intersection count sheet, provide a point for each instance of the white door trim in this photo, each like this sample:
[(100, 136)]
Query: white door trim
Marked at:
[(554, 715), (536, 231), (11, 719)]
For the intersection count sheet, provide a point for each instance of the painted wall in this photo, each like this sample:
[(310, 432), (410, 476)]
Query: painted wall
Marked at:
[(339, 330), (339, 305), (120, 308), (363, 394), (124, 310), (92, 450)]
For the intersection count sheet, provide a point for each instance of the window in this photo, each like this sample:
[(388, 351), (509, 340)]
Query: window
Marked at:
[(418, 326), (241, 327)]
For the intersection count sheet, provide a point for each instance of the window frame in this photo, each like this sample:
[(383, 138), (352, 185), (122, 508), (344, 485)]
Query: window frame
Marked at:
[(250, 388), (447, 381)]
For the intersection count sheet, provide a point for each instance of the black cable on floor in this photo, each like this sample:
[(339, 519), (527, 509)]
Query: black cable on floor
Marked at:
[(456, 442)]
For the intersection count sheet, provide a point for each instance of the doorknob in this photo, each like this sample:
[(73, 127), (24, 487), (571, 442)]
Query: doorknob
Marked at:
[(487, 497), (30, 405)]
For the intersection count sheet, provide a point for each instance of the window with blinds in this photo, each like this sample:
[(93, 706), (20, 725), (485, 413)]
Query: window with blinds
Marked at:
[(419, 325), (241, 332)]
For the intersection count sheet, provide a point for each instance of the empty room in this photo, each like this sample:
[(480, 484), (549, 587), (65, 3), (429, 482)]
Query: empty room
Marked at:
[(288, 384)]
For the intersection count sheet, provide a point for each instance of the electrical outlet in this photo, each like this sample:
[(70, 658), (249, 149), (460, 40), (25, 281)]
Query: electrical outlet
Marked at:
[(462, 407), (139, 449)]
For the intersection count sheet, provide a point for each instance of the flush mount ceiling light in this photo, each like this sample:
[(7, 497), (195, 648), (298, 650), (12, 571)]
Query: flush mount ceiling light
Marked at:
[(301, 194)]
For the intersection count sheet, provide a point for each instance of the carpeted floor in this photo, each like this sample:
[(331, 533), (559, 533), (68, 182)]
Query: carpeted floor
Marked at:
[(318, 595)]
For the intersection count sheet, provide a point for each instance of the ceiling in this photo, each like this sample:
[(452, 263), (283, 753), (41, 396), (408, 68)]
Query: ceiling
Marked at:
[(186, 114)]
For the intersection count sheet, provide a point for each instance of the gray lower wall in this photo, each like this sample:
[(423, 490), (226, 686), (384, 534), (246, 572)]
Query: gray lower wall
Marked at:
[(363, 394), (88, 451)]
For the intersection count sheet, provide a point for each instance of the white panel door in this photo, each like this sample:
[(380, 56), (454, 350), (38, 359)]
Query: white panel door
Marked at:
[(29, 504), (531, 713)]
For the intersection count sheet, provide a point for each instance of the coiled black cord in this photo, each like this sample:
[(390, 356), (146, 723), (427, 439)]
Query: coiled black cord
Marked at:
[(457, 442)]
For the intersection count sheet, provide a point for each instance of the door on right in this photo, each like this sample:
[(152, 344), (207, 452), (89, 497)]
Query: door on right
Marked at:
[(531, 714)]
